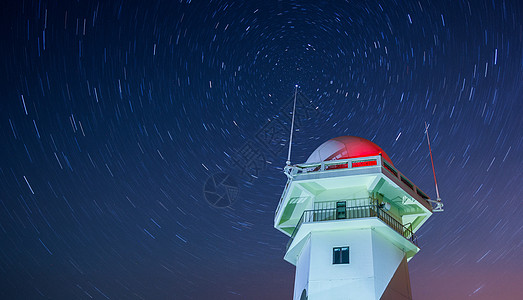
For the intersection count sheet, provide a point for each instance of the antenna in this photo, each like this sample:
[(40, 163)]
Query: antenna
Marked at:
[(439, 205), (292, 126)]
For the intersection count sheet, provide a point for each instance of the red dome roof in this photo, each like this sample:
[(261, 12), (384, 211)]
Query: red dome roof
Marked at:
[(345, 147)]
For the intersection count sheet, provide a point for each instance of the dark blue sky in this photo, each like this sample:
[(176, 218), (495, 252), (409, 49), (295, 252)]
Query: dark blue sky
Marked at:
[(115, 113)]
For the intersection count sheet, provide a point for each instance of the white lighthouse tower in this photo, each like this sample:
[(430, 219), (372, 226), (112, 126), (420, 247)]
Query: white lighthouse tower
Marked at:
[(351, 218)]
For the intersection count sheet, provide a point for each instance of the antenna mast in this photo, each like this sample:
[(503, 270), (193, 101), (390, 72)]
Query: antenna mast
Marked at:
[(292, 126), (439, 204)]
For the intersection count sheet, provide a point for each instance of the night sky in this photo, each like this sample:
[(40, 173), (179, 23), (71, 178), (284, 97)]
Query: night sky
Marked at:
[(115, 114)]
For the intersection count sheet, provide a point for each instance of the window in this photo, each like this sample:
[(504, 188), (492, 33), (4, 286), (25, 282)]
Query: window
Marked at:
[(340, 255)]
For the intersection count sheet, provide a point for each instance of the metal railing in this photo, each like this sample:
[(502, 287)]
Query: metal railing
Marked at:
[(325, 166), (354, 212), (345, 164)]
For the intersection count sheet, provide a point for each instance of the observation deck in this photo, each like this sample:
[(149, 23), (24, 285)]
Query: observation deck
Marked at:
[(363, 187), (357, 212)]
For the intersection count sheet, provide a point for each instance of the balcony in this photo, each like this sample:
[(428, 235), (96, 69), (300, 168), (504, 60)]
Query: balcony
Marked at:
[(355, 212), (345, 167)]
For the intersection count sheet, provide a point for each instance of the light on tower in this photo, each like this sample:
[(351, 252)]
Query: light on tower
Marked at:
[(351, 217)]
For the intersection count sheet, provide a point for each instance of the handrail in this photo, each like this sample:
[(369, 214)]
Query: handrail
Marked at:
[(354, 212), (293, 235)]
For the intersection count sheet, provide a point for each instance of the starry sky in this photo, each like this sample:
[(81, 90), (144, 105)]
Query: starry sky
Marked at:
[(116, 117)]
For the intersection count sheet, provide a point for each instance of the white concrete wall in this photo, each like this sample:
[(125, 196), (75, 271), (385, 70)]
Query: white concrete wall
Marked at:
[(354, 192), (386, 260), (343, 281), (373, 261), (301, 280)]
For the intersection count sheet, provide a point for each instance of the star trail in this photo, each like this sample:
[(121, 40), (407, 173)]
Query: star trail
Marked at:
[(143, 142)]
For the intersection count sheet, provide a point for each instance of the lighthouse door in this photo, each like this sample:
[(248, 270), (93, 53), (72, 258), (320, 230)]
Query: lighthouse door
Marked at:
[(341, 210), (303, 295)]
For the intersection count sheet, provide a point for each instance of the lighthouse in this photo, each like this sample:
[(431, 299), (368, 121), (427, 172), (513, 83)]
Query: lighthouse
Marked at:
[(351, 216)]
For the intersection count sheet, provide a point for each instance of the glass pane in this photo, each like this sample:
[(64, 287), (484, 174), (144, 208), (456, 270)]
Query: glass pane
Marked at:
[(345, 255), (336, 255)]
